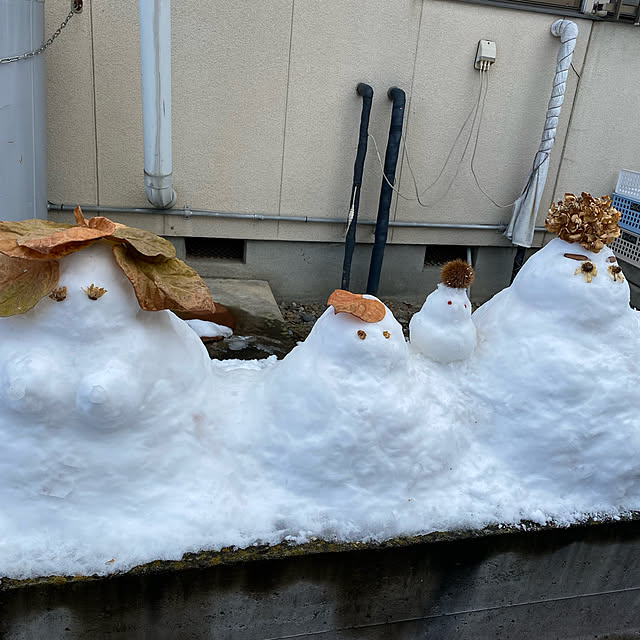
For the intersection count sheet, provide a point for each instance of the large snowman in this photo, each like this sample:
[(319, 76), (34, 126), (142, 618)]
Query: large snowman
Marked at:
[(557, 366), (351, 422), (106, 421)]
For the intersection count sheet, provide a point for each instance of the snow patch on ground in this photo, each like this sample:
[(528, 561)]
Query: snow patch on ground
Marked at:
[(122, 441)]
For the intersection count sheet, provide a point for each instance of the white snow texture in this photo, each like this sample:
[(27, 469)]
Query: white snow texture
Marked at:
[(122, 441)]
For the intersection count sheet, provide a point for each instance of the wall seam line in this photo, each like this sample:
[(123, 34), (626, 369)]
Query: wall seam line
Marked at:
[(406, 116), (286, 112), (95, 100)]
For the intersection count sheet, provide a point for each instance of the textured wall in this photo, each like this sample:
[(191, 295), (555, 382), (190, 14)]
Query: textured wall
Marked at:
[(265, 113), (605, 131)]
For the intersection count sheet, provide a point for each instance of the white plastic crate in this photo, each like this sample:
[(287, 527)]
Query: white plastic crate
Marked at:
[(627, 247), (628, 184)]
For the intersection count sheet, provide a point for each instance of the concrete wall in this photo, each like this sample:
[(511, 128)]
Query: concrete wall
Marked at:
[(566, 583), (265, 113)]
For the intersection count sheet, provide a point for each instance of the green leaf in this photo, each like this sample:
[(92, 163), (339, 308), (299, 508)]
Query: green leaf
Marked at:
[(24, 282), (169, 284)]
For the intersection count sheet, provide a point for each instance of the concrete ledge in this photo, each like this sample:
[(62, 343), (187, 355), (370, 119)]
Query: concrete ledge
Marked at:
[(545, 582), (252, 304)]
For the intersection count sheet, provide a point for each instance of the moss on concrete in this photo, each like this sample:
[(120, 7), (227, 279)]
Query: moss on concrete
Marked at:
[(233, 555)]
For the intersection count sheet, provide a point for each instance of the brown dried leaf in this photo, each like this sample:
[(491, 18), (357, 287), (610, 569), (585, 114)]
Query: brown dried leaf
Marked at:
[(63, 242), (11, 232), (169, 284), (24, 282), (81, 221), (102, 224), (357, 305), (144, 242)]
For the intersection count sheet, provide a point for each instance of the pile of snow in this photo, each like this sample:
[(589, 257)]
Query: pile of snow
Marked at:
[(123, 443)]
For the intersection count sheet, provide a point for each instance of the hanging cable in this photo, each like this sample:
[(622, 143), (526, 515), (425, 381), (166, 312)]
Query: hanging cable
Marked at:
[(419, 195)]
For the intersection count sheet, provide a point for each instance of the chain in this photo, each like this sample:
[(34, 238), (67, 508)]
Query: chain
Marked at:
[(76, 8)]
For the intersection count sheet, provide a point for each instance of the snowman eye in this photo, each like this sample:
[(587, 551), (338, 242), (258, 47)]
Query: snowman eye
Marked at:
[(361, 334), (386, 334), (449, 302)]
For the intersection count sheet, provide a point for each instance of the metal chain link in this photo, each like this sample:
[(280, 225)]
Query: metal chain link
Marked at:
[(49, 42)]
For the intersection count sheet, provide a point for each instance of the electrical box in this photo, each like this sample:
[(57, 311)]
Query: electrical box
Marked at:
[(485, 54)]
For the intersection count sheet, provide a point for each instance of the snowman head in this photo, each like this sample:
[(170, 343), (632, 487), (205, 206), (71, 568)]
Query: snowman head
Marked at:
[(451, 306), (358, 329)]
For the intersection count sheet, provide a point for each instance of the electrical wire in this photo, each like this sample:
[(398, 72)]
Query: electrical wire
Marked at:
[(477, 113), (475, 148), (418, 195)]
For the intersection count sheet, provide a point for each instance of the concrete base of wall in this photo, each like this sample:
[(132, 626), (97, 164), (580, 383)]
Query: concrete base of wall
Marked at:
[(310, 271), (582, 582)]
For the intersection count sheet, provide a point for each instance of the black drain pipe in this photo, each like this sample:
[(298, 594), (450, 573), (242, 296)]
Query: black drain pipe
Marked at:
[(366, 92), (518, 261), (386, 191)]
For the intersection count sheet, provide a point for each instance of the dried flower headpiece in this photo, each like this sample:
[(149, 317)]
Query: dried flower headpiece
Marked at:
[(591, 222)]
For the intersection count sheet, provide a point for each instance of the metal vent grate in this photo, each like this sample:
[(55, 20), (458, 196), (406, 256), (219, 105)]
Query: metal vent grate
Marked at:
[(215, 248), (439, 254)]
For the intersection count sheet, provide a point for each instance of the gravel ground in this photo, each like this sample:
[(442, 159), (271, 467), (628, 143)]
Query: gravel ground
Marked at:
[(299, 318), (298, 321)]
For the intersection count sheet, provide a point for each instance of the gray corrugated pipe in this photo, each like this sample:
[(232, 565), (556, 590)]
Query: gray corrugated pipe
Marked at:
[(155, 68)]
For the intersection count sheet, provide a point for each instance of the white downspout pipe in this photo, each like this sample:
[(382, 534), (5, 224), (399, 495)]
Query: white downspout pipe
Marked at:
[(23, 151), (155, 67)]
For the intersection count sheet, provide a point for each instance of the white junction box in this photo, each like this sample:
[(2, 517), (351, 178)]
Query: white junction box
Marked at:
[(485, 53)]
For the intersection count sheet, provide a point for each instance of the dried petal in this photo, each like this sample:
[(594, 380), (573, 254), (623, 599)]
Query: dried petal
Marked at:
[(588, 270), (169, 284), (616, 273), (94, 292), (24, 282), (59, 294), (354, 303)]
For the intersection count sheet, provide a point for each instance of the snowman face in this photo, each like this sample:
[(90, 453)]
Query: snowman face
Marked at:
[(343, 337), (564, 275), (448, 305), (96, 266)]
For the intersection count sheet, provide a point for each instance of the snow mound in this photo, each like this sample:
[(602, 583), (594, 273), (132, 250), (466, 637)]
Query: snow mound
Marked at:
[(123, 443)]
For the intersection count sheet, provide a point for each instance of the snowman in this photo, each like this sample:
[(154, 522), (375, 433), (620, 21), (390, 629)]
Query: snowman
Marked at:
[(348, 424), (105, 408), (557, 368), (443, 330)]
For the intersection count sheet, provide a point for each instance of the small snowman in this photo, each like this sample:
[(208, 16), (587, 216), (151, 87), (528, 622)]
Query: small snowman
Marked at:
[(443, 330)]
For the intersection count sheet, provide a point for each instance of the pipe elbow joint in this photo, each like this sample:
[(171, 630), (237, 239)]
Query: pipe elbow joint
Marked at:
[(395, 94), (365, 90), (161, 198), (159, 190)]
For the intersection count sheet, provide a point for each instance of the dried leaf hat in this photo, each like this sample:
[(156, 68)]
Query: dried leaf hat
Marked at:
[(29, 268), (457, 274), (357, 305), (591, 222)]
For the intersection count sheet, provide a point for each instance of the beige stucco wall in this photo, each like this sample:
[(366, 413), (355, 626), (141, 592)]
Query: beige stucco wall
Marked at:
[(265, 114), (605, 127)]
